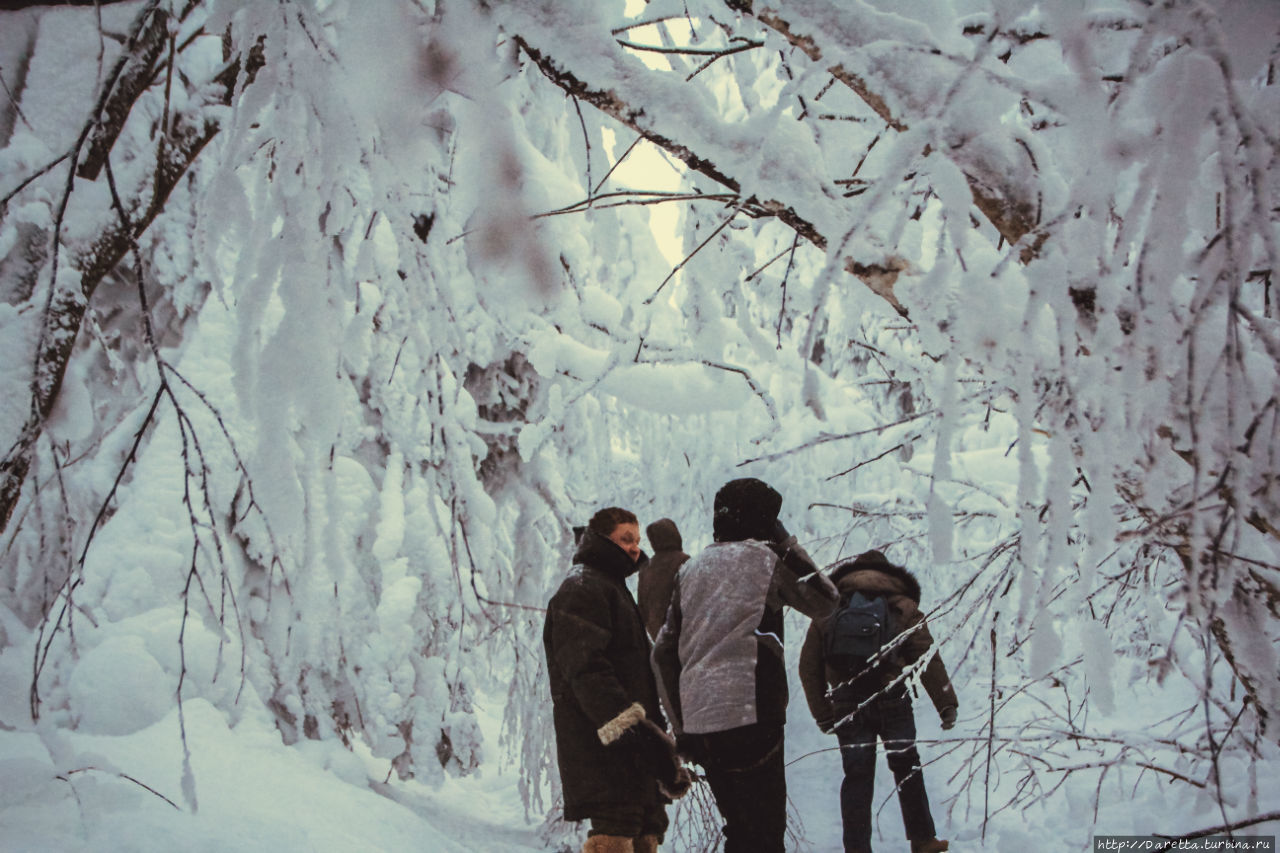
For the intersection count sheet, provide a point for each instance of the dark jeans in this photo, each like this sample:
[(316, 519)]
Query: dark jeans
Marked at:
[(745, 769), (890, 718)]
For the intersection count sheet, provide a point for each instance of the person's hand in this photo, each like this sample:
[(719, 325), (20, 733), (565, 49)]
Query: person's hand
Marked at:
[(827, 725), (948, 715), (658, 756), (686, 749)]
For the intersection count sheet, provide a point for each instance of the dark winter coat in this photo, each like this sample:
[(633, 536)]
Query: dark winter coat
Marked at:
[(601, 683), (874, 578), (657, 577), (719, 654)]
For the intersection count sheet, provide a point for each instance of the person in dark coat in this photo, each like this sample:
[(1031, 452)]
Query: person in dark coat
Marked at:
[(611, 742), (719, 657), (653, 591), (881, 709)]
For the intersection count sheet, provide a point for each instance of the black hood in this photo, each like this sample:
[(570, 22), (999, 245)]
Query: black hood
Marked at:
[(603, 554)]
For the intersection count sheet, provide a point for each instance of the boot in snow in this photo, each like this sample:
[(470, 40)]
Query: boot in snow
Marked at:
[(932, 845), (608, 844)]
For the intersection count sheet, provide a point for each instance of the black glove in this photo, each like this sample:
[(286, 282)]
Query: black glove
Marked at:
[(827, 725), (948, 715), (657, 756), (685, 748)]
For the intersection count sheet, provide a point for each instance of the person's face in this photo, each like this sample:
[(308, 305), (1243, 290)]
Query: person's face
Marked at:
[(627, 537)]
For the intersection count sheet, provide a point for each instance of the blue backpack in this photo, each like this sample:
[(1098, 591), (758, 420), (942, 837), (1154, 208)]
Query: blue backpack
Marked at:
[(856, 633)]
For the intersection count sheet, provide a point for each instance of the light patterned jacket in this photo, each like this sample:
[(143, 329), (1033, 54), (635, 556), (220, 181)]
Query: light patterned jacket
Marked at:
[(719, 657)]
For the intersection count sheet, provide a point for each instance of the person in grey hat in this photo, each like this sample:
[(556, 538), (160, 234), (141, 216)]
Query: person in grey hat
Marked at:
[(719, 658)]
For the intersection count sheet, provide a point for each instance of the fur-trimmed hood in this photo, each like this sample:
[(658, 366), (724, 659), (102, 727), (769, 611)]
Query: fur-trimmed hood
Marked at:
[(872, 572)]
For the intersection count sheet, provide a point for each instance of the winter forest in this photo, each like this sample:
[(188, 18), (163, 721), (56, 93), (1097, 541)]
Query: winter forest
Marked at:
[(323, 322)]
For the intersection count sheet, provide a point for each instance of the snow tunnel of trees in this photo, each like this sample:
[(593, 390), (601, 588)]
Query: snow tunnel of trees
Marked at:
[(324, 322)]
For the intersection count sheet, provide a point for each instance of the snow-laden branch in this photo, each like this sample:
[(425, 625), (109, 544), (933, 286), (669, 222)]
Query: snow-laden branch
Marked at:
[(878, 275), (189, 133), (999, 178), (605, 98)]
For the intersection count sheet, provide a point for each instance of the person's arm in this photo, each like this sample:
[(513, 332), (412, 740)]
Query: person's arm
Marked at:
[(666, 660), (917, 643), (938, 685), (581, 629), (798, 581), (813, 677)]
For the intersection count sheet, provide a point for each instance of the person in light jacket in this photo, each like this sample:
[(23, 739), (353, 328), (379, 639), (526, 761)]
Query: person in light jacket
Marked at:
[(719, 657)]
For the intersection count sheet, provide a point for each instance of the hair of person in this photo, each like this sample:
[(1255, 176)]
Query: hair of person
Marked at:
[(606, 520), (745, 508)]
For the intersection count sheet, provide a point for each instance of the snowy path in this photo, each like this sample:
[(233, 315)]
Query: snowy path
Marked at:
[(255, 794)]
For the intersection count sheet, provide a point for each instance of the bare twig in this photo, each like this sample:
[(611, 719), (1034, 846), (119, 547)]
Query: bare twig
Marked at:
[(65, 777), (723, 225), (715, 52), (1232, 826)]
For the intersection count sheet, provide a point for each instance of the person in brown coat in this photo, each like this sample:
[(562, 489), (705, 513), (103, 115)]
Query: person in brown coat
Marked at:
[(860, 706), (658, 576), (618, 767)]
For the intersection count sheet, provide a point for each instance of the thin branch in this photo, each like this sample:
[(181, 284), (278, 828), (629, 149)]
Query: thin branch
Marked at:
[(586, 141), (466, 542), (754, 274), (624, 198), (786, 276), (65, 778), (875, 458), (826, 438), (746, 45), (1269, 817), (13, 100), (649, 22), (716, 52), (613, 168), (689, 257), (26, 182)]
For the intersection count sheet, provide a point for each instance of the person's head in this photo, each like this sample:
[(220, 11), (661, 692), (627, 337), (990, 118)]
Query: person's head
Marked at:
[(621, 527), (664, 535), (872, 559), (746, 508)]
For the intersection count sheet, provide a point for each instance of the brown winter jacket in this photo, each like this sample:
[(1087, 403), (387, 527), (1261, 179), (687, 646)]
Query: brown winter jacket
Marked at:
[(601, 684), (903, 591), (657, 576)]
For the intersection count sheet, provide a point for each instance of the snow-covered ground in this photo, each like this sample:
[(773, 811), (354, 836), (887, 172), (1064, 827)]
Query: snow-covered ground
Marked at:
[(64, 790)]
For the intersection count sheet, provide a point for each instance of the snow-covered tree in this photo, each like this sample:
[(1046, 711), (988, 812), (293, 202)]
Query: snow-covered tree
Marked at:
[(325, 322)]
